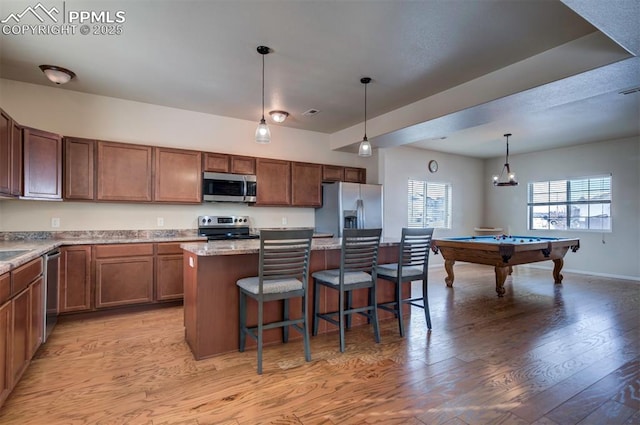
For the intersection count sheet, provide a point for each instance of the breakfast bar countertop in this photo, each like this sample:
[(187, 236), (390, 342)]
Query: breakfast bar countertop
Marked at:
[(237, 247)]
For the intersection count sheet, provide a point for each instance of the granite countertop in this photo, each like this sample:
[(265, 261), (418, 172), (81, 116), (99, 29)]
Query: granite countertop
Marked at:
[(252, 246), (36, 244)]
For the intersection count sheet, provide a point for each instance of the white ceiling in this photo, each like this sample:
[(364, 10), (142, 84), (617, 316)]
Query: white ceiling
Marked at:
[(201, 56)]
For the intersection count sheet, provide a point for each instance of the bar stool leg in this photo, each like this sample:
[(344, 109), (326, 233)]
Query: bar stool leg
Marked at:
[(243, 321), (285, 315), (399, 306), (316, 306), (425, 301), (341, 319)]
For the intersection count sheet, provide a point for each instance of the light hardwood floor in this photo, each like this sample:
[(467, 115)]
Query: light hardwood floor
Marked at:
[(544, 354)]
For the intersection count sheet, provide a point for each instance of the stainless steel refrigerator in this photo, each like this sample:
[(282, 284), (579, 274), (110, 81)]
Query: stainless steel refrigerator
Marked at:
[(350, 206)]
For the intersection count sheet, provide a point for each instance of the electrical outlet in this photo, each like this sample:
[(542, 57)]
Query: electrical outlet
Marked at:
[(160, 221), (284, 221), (55, 222)]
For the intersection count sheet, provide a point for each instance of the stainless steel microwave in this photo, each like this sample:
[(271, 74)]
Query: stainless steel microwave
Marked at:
[(223, 187)]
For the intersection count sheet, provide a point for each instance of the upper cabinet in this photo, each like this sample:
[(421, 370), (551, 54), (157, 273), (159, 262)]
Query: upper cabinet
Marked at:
[(10, 156), (178, 176), (42, 165), (274, 182), (124, 172), (355, 175), (79, 169), (332, 173), (306, 184), (223, 163)]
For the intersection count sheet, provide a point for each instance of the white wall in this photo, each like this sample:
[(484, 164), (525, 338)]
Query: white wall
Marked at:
[(83, 115), (398, 165), (619, 255)]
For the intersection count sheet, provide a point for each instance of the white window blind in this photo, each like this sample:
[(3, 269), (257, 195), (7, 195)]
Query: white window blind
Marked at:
[(578, 204), (429, 204)]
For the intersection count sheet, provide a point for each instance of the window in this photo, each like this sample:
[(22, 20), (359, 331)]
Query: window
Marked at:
[(580, 204), (429, 204)]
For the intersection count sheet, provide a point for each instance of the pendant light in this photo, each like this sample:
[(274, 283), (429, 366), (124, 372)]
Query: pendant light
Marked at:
[(365, 146), (506, 177), (263, 135)]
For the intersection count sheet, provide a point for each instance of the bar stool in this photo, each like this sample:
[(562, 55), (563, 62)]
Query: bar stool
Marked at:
[(412, 265), (283, 274), (358, 262)]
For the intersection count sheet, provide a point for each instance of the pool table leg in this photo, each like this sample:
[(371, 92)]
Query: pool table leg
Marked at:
[(448, 266), (501, 276), (557, 266)]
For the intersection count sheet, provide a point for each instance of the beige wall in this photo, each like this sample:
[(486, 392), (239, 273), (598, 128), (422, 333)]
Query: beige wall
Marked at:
[(82, 115)]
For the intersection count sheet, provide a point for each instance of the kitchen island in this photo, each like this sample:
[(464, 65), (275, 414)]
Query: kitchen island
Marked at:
[(211, 296)]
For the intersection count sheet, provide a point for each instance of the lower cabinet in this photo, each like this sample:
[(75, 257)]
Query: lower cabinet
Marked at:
[(75, 279), (5, 349), (169, 284), (124, 274), (21, 344), (36, 309)]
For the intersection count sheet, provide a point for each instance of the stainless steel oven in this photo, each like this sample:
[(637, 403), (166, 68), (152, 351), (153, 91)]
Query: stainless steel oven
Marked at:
[(223, 187)]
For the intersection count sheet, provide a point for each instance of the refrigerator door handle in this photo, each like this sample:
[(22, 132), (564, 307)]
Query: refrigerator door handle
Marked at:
[(360, 214)]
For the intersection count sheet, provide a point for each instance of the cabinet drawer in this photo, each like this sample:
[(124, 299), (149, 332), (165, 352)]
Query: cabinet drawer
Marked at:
[(124, 250), (25, 274), (5, 288), (171, 247)]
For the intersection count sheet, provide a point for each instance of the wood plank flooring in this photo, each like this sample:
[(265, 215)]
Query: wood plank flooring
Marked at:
[(544, 354)]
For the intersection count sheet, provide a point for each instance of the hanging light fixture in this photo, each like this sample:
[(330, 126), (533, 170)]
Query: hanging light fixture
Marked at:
[(57, 74), (365, 146), (263, 135), (506, 177)]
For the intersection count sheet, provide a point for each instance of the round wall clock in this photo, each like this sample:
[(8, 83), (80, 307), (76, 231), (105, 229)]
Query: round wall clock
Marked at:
[(433, 166)]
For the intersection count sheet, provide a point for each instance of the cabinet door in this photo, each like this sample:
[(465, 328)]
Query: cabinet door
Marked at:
[(20, 346), (75, 279), (332, 173), (169, 277), (178, 176), (16, 158), (79, 163), (36, 328), (42, 164), (123, 274), (5, 153), (5, 350), (355, 175), (243, 165), (274, 182), (306, 184), (216, 162), (123, 172)]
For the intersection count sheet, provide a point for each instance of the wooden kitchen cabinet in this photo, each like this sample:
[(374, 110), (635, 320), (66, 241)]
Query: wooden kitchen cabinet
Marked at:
[(36, 324), (169, 285), (6, 162), (42, 164), (355, 175), (124, 172), (79, 169), (243, 165), (75, 279), (216, 162), (332, 173), (20, 344), (6, 348), (16, 158), (178, 176), (123, 274), (274, 182), (306, 184)]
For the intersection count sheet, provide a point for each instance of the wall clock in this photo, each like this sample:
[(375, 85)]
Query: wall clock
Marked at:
[(433, 166)]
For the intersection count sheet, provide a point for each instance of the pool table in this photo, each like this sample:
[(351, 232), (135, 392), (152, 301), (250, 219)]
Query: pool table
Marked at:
[(503, 252)]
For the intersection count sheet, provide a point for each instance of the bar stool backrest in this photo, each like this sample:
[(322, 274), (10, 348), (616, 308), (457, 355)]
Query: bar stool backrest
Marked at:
[(284, 254), (414, 248), (360, 250)]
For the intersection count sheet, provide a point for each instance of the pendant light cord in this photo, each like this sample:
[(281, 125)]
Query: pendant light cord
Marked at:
[(365, 111), (263, 87)]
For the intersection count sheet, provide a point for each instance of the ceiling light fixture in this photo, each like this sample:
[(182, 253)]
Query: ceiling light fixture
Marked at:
[(279, 116), (365, 146), (263, 135), (57, 74), (506, 177)]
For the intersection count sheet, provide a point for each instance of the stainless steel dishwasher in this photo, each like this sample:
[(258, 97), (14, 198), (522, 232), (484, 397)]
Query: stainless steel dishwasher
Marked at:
[(51, 280)]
